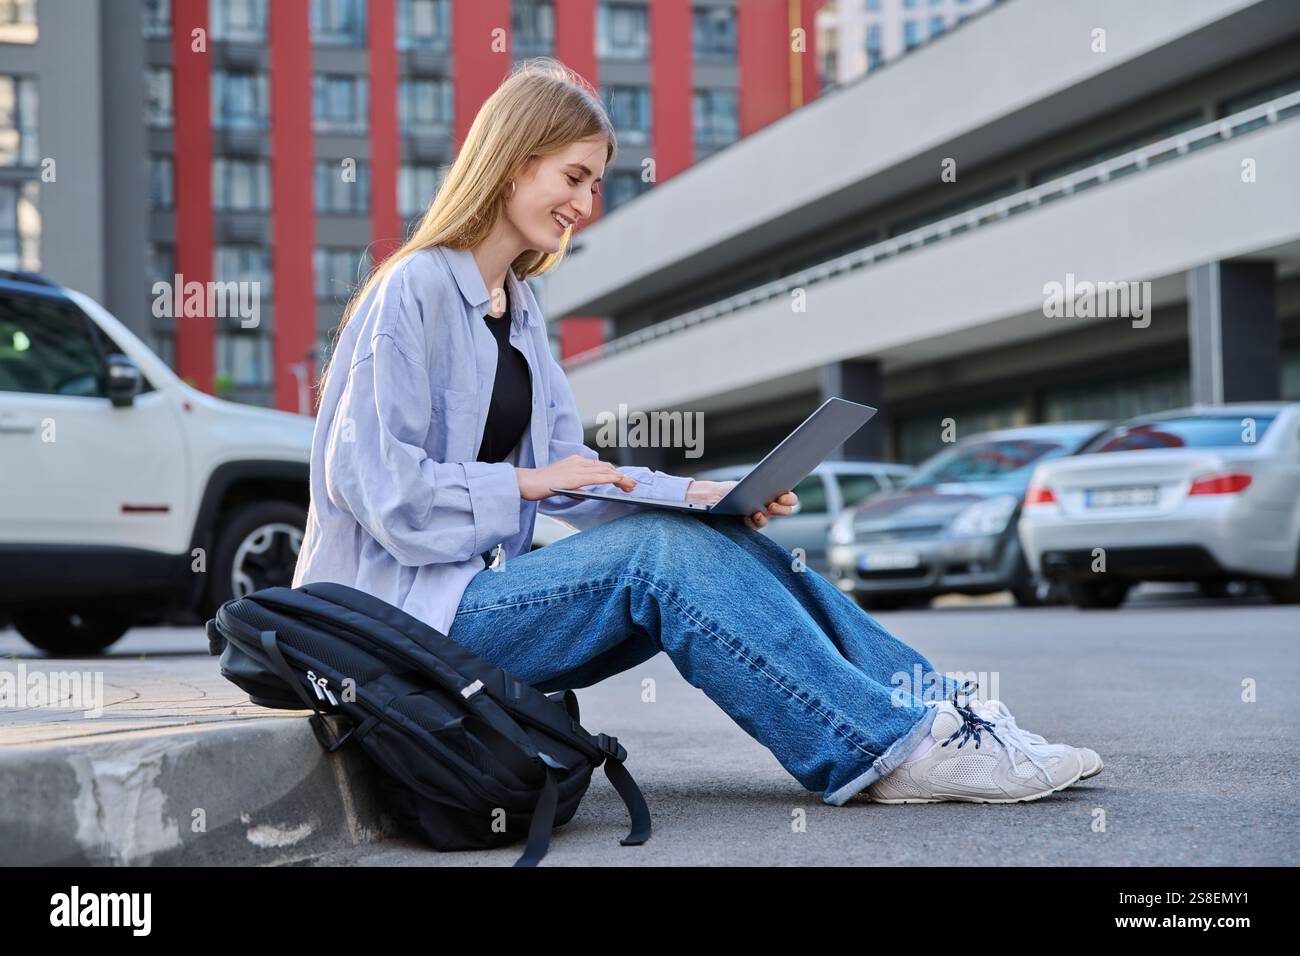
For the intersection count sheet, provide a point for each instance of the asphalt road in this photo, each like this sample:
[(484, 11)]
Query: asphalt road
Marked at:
[(1194, 775)]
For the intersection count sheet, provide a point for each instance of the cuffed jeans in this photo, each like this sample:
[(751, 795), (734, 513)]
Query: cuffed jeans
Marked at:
[(797, 664)]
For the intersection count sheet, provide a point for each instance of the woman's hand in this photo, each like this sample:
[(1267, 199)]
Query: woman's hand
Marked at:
[(711, 492), (573, 472)]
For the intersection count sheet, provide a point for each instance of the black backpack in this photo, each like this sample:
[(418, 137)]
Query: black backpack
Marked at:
[(468, 756)]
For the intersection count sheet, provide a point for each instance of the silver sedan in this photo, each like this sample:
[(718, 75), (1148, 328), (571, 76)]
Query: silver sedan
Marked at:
[(1208, 494)]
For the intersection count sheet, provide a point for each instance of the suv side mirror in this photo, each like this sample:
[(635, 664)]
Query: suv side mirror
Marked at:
[(124, 380)]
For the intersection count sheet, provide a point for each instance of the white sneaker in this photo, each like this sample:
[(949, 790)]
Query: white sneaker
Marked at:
[(977, 762), (997, 712)]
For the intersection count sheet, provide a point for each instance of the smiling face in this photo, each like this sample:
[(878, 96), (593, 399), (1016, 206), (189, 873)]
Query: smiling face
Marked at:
[(559, 185)]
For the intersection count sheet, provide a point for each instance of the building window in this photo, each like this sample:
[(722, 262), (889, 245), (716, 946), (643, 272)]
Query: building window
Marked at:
[(158, 97), (160, 183), (241, 185), (243, 263), (238, 21), (911, 34), (713, 34), (164, 346), (872, 6), (157, 19), (18, 21), (423, 25), (532, 27), (340, 196), (629, 110), (971, 200), (20, 227), (623, 186), (425, 106), (338, 22), (1290, 375), (18, 141), (416, 187), (715, 114), (1257, 96), (622, 32), (936, 26), (339, 272), (239, 100), (909, 4), (159, 263), (874, 57), (829, 68), (341, 103), (917, 437), (1136, 394), (244, 358), (1117, 147)]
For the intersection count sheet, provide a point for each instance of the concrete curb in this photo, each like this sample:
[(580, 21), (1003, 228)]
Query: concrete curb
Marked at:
[(244, 793)]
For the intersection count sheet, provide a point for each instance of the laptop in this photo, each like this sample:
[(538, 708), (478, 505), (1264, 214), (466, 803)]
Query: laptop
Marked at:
[(780, 470)]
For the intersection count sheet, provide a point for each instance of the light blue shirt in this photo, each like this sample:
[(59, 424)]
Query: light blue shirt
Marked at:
[(399, 507)]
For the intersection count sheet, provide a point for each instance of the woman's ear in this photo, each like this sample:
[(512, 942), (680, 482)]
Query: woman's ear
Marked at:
[(527, 168)]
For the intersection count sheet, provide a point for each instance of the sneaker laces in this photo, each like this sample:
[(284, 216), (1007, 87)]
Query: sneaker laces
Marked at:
[(997, 711), (973, 725)]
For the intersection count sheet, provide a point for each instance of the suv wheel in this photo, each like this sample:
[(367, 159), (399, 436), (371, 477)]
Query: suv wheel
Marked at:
[(1096, 594), (257, 548), (71, 632)]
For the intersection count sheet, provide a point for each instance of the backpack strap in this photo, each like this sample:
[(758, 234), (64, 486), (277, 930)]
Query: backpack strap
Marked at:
[(543, 822), (614, 754), (632, 796), (543, 818)]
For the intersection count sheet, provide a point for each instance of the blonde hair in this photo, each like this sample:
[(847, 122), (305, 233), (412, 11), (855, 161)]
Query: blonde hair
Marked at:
[(542, 107)]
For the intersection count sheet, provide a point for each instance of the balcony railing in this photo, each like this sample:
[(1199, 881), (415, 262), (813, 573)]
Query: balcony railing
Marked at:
[(1126, 164)]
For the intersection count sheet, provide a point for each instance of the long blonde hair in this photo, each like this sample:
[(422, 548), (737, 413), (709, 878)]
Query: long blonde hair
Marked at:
[(541, 108)]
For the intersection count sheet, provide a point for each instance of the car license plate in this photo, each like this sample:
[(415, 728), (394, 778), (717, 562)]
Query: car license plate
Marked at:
[(888, 560), (1126, 497)]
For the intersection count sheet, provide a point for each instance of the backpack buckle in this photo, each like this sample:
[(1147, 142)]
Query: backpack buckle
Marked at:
[(610, 747)]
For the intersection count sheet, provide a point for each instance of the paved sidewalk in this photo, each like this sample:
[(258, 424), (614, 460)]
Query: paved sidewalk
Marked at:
[(178, 768), (182, 769)]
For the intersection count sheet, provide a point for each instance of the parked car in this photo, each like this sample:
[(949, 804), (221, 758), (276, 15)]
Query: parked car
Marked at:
[(831, 487), (1207, 494), (951, 527), (127, 496), (548, 529)]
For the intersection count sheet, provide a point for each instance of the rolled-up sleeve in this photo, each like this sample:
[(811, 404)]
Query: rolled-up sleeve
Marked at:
[(566, 440), (420, 510)]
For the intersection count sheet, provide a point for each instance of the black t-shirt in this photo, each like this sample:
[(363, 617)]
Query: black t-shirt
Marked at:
[(512, 393)]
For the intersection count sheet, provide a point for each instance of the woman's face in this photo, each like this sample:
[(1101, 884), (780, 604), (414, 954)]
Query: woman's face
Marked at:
[(561, 184)]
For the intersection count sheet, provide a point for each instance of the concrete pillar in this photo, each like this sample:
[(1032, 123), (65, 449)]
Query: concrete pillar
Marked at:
[(1234, 332), (863, 381)]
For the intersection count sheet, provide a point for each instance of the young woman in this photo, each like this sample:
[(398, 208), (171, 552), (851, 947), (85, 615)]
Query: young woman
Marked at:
[(444, 422)]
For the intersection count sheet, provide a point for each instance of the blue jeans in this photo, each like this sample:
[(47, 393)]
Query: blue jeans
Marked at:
[(797, 664)]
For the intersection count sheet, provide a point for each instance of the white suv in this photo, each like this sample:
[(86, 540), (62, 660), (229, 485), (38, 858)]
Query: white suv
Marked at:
[(126, 496)]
